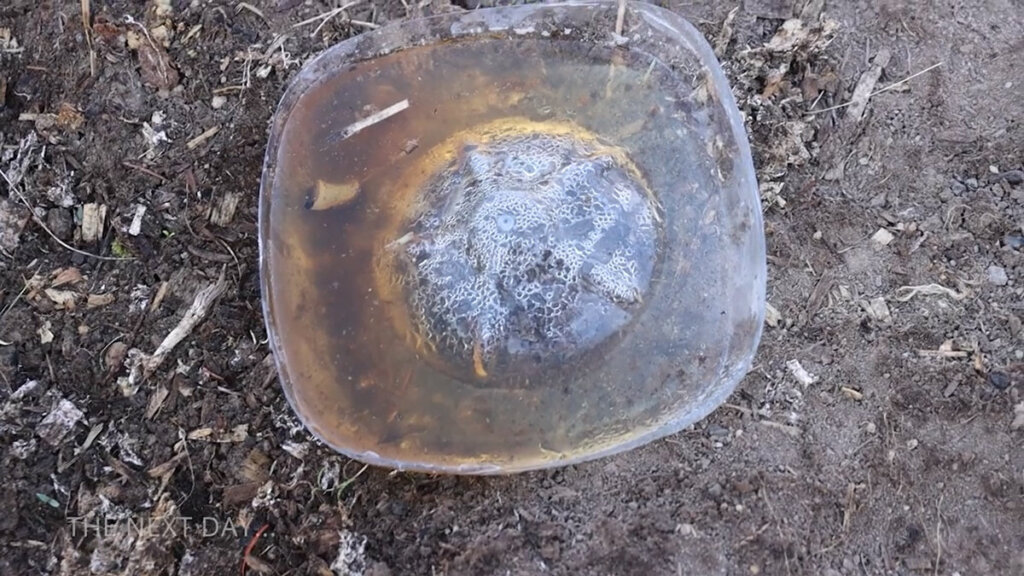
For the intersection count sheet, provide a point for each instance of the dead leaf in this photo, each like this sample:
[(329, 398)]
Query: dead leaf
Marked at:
[(115, 354), (93, 217), (45, 335), (165, 469), (64, 276), (155, 66), (254, 468), (156, 401), (64, 299)]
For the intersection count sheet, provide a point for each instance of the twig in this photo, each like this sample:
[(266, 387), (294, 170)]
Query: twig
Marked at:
[(880, 90), (39, 221), (87, 25), (246, 6), (325, 17), (363, 24), (938, 534), (8, 308), (372, 119), (144, 170), (865, 86), (142, 365), (199, 140), (620, 18)]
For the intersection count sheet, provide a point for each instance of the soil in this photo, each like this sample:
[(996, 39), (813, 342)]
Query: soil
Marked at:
[(880, 431)]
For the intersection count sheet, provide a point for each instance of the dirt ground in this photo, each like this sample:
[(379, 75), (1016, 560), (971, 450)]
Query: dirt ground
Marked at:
[(880, 432)]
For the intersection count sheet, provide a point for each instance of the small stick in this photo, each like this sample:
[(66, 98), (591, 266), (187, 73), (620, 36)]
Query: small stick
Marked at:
[(144, 170), (325, 17), (246, 6), (880, 90), (620, 18), (199, 140), (87, 25), (372, 119)]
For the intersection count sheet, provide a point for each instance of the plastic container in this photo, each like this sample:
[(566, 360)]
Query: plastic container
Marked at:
[(510, 239)]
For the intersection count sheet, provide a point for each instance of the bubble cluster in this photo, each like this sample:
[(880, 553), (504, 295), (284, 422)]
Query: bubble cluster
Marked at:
[(528, 247)]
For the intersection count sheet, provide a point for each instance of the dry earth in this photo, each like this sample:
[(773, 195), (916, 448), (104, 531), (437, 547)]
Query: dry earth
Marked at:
[(880, 431)]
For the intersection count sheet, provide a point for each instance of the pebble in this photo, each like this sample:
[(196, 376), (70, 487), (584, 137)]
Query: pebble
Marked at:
[(997, 275), (716, 431), (999, 380), (1013, 177), (60, 222)]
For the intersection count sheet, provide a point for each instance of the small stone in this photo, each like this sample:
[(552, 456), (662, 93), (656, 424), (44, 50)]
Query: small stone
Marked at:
[(912, 444), (999, 380), (60, 222), (997, 275), (115, 355), (972, 183), (883, 237), (716, 431), (218, 102), (1013, 177)]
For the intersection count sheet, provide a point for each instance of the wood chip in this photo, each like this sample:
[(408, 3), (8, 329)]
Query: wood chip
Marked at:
[(772, 317), (332, 195), (946, 350), (866, 86), (98, 300), (852, 393), (136, 226), (237, 434), (93, 217), (222, 214), (199, 140), (882, 238)]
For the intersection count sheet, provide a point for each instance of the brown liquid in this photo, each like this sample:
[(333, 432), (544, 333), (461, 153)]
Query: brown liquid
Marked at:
[(362, 381)]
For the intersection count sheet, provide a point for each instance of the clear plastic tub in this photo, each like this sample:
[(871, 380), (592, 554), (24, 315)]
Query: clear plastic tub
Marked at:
[(510, 239)]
